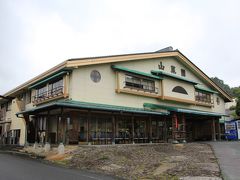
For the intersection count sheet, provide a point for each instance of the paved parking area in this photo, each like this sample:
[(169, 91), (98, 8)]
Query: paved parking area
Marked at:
[(228, 155)]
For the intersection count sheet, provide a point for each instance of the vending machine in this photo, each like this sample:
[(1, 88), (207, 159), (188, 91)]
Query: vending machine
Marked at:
[(231, 130), (238, 128)]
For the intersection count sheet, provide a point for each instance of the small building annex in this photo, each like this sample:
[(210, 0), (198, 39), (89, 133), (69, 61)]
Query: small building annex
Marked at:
[(131, 98)]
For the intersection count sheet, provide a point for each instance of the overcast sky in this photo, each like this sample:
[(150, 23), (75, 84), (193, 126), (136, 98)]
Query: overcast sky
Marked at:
[(35, 35)]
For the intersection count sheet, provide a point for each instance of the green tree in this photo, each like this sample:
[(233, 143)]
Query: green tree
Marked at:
[(221, 83), (236, 92), (238, 107)]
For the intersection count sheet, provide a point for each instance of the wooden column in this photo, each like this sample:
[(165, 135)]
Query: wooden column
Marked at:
[(184, 126), (88, 119), (219, 130), (150, 128), (47, 127), (174, 126), (165, 128), (36, 129), (57, 129), (113, 129), (213, 130), (133, 129)]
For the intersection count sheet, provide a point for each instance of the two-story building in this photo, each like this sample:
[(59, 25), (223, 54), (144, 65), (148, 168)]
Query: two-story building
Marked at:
[(131, 98)]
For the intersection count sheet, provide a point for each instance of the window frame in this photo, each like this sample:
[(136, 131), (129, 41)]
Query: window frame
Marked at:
[(173, 69), (183, 72), (140, 83), (203, 97), (180, 90), (218, 101)]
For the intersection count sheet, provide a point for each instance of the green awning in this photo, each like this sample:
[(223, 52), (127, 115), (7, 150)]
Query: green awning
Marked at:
[(92, 106), (206, 90), (120, 68), (181, 110), (163, 73), (47, 79)]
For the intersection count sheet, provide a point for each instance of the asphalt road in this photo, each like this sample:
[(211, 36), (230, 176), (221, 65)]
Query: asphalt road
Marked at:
[(19, 168), (228, 155)]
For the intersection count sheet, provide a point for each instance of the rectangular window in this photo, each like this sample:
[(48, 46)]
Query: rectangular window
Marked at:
[(9, 106), (50, 90), (203, 97), (183, 72), (55, 87), (139, 83), (41, 92), (218, 101), (173, 69)]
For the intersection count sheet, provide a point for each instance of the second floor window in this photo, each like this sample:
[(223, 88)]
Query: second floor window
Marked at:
[(183, 72), (203, 97), (139, 83), (41, 92), (173, 69), (218, 101), (50, 90), (55, 87)]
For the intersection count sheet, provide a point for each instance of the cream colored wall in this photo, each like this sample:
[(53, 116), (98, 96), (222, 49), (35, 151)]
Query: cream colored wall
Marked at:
[(18, 123), (221, 106), (30, 105), (170, 83), (82, 88), (8, 115)]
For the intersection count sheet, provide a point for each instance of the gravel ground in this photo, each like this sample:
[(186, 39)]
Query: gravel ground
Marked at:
[(150, 161)]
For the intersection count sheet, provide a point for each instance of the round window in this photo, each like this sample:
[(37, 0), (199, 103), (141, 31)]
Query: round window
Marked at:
[(95, 76)]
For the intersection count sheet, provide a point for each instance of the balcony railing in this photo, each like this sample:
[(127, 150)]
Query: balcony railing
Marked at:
[(205, 100), (55, 92), (140, 87)]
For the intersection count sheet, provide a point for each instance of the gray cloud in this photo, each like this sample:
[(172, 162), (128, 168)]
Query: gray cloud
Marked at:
[(36, 35)]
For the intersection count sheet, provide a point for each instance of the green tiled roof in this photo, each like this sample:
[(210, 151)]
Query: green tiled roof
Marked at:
[(206, 90), (182, 110), (163, 73), (120, 68), (47, 79), (93, 106)]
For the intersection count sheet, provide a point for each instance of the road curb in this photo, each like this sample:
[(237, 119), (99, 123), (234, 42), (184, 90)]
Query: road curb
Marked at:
[(22, 154)]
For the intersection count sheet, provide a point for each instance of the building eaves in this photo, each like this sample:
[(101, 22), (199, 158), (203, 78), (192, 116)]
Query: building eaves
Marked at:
[(229, 97)]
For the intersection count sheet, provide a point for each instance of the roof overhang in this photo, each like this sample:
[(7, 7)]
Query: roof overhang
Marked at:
[(124, 69), (49, 78), (206, 90), (163, 73), (90, 106), (182, 110)]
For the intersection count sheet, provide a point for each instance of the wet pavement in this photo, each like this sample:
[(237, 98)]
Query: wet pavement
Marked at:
[(14, 167), (228, 155)]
